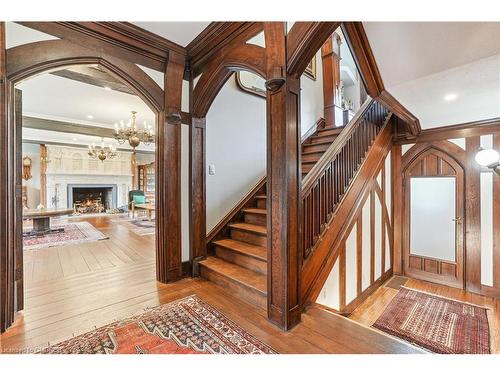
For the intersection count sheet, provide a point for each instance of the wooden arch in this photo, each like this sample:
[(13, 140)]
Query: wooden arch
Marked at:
[(30, 59), (448, 148), (245, 57)]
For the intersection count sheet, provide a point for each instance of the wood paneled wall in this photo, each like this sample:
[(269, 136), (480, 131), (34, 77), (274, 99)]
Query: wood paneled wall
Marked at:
[(365, 252), (482, 203)]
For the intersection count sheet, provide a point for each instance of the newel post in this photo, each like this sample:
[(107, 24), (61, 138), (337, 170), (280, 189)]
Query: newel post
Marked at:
[(168, 174), (283, 182)]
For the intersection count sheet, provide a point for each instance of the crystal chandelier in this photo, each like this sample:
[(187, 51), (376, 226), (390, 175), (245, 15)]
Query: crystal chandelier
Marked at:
[(130, 133), (102, 153)]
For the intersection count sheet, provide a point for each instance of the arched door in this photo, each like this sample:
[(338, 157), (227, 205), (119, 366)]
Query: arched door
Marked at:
[(433, 230)]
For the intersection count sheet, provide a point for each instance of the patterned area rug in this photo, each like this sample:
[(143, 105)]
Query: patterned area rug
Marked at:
[(140, 226), (438, 324), (185, 326), (74, 233)]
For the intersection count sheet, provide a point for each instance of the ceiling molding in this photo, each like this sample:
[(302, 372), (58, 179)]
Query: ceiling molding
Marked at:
[(467, 129), (120, 39), (215, 37), (54, 143)]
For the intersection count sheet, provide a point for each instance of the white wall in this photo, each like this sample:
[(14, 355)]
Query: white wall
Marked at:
[(236, 146), (33, 184), (311, 97)]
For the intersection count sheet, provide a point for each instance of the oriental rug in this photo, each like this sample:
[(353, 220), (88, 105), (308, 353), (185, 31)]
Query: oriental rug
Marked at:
[(185, 326), (74, 233), (438, 324), (141, 226)]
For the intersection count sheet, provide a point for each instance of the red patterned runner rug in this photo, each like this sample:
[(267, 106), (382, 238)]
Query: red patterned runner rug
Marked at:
[(438, 324), (185, 326)]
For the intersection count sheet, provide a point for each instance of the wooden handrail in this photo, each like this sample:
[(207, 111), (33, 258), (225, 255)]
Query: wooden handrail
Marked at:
[(334, 148), (328, 181)]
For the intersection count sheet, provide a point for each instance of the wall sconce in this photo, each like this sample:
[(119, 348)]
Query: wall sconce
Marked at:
[(488, 158)]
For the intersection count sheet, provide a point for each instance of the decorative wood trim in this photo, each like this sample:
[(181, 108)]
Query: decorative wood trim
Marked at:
[(216, 37), (66, 127), (121, 39), (316, 269), (372, 236), (283, 183), (397, 209), (34, 58), (233, 211), (342, 276), (367, 66), (472, 217), (465, 130), (359, 253), (303, 41)]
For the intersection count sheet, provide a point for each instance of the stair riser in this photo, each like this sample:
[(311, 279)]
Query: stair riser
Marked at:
[(235, 288), (330, 138), (311, 158), (261, 203), (255, 219), (249, 237), (329, 132), (243, 260), (318, 148)]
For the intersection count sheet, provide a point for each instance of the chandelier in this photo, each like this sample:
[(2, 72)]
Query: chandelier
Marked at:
[(130, 133), (102, 153)]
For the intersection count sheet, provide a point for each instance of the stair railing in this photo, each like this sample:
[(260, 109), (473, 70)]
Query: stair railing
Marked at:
[(325, 185)]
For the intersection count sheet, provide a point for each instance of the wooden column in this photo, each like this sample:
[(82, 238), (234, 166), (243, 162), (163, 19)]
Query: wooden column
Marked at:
[(397, 209), (43, 175), (133, 171), (197, 192), (496, 219), (283, 182), (330, 56), (168, 175), (7, 217), (472, 217)]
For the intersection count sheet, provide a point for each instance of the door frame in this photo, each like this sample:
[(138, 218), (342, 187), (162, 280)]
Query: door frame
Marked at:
[(448, 152), (27, 60)]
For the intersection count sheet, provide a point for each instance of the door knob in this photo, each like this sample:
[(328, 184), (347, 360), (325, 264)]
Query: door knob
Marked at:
[(458, 220)]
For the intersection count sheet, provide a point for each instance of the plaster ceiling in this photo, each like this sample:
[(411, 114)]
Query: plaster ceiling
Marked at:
[(178, 32), (405, 51)]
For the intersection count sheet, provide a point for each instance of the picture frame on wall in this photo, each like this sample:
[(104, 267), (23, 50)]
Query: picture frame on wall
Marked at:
[(311, 69)]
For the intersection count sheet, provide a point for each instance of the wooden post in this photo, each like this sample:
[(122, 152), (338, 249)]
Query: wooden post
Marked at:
[(197, 192), (397, 210), (283, 182), (330, 56), (168, 175), (133, 171)]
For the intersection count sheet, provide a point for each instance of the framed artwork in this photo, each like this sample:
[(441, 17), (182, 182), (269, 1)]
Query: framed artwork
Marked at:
[(251, 83), (311, 69)]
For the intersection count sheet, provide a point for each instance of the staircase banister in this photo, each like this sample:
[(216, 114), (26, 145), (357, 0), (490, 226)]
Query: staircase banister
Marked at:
[(334, 148)]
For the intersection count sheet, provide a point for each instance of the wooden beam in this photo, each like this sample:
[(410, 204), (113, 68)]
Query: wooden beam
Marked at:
[(397, 209), (216, 37), (66, 127), (463, 130), (43, 174), (303, 41), (283, 182), (119, 39)]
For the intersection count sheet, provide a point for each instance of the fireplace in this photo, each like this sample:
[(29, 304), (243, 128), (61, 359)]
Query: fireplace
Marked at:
[(92, 198)]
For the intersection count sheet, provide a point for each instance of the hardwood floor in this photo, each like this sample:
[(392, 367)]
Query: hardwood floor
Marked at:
[(123, 248), (115, 279), (369, 311)]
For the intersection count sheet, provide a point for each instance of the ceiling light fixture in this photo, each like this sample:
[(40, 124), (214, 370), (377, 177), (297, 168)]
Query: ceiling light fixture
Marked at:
[(107, 88), (102, 153), (450, 97), (129, 132), (488, 158), (90, 117)]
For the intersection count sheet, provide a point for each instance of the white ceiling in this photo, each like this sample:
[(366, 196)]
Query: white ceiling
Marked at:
[(53, 97), (178, 32), (405, 51), (423, 62)]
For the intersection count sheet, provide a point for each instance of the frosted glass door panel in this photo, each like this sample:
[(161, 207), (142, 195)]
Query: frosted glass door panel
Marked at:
[(432, 210)]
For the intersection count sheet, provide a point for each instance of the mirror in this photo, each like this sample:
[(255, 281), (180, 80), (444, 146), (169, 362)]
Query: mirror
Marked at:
[(251, 83)]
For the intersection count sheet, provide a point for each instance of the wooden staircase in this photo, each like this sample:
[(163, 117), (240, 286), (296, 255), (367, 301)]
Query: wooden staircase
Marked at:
[(238, 249)]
